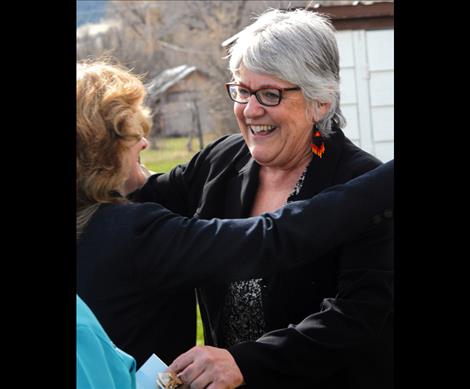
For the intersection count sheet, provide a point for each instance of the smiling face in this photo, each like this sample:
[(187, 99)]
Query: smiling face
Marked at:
[(133, 141), (136, 174), (276, 136), (111, 127)]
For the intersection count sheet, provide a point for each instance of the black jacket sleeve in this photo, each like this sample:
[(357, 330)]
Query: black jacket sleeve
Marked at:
[(180, 189), (164, 245), (327, 341)]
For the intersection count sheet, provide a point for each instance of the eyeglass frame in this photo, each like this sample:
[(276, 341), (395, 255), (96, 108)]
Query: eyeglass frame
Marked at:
[(252, 92)]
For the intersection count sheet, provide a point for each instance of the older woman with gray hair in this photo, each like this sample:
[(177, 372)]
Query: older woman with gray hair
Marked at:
[(327, 324)]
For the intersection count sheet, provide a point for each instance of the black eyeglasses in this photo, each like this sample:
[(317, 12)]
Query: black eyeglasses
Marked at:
[(269, 97)]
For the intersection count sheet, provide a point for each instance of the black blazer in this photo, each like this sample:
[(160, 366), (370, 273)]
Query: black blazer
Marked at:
[(134, 259), (345, 298)]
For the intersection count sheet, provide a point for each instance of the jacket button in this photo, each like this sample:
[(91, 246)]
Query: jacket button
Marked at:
[(376, 219), (388, 213)]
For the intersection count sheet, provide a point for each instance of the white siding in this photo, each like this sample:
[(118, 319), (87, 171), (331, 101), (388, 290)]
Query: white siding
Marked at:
[(367, 93)]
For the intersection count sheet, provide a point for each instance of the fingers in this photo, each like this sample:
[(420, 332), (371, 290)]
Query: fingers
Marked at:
[(184, 360), (189, 367), (207, 367), (201, 382), (194, 375)]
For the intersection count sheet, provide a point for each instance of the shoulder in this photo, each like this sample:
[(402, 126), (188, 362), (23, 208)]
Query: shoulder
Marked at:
[(128, 216), (85, 316), (88, 326), (97, 353), (352, 160), (225, 148), (91, 336), (213, 160), (121, 225)]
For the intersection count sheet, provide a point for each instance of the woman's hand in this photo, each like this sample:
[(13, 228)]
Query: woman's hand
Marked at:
[(207, 367)]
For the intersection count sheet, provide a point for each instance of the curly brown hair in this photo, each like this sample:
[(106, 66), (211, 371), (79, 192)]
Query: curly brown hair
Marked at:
[(110, 115)]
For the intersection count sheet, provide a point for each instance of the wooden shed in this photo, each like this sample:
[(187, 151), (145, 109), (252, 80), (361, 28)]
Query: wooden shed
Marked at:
[(176, 97)]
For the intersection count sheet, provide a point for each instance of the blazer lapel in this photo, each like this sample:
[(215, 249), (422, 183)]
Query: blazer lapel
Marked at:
[(241, 188), (321, 171), (243, 183)]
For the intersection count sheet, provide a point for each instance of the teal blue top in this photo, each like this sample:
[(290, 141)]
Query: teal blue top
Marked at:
[(100, 364)]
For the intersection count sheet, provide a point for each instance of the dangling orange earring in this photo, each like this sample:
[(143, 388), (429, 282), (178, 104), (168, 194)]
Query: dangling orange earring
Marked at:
[(317, 145)]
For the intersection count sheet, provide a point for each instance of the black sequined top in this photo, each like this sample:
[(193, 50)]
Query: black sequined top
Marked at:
[(243, 315)]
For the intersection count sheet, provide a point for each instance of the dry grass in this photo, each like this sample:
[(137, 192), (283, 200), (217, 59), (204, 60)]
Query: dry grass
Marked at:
[(171, 152)]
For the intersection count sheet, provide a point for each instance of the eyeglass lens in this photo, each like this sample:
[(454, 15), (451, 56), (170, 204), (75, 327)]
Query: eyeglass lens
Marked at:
[(266, 96)]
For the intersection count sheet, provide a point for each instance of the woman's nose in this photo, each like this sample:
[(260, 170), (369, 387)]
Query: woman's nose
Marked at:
[(253, 108), (145, 143)]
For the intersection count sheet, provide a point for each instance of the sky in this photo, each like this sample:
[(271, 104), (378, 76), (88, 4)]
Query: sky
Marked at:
[(89, 11)]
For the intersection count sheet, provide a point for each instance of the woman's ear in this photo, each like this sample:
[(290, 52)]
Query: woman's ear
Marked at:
[(322, 109), (316, 111)]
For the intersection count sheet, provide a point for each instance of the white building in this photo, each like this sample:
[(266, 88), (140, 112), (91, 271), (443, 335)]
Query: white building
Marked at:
[(365, 33)]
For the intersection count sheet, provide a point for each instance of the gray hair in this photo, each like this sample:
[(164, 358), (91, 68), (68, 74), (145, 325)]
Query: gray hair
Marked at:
[(297, 46)]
